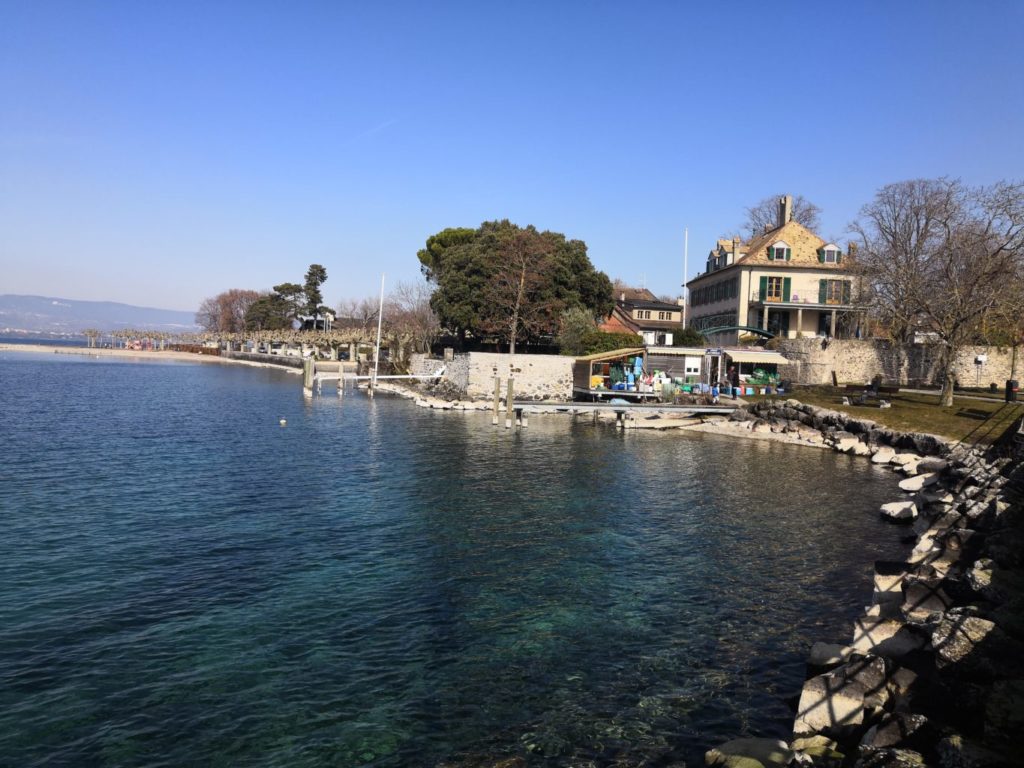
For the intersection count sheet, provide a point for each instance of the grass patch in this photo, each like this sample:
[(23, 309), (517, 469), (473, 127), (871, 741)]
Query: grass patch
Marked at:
[(970, 419)]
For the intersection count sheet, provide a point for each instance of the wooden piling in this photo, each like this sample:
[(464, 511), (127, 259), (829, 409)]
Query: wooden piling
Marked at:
[(497, 400), (508, 404), (308, 374)]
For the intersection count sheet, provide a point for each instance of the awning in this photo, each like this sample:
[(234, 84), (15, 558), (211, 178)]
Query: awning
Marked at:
[(614, 354), (760, 356)]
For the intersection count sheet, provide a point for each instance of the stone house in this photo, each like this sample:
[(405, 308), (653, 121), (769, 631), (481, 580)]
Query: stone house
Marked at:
[(786, 281), (640, 311)]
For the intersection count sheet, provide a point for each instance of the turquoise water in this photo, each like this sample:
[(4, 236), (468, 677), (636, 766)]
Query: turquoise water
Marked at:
[(185, 582)]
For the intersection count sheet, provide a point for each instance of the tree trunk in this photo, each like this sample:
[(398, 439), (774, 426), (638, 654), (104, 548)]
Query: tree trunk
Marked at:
[(515, 310), (948, 377)]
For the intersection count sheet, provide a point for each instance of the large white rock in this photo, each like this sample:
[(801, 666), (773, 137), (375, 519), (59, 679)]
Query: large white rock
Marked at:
[(883, 455), (827, 703), (883, 637), (770, 753), (917, 482), (846, 444), (899, 510)]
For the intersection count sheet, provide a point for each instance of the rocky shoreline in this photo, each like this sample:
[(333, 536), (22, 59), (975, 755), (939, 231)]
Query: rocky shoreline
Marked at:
[(933, 674), (934, 671)]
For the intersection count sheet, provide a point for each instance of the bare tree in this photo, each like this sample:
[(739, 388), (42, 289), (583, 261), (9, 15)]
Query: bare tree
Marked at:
[(225, 312), (518, 300), (408, 311), (765, 215), (942, 258)]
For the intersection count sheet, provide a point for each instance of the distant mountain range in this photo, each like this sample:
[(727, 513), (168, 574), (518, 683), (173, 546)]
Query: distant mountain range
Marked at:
[(48, 316)]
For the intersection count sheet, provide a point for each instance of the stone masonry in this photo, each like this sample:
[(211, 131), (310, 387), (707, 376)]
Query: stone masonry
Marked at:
[(537, 377), (859, 360)]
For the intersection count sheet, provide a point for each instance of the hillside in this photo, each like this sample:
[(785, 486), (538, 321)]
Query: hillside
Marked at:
[(69, 317)]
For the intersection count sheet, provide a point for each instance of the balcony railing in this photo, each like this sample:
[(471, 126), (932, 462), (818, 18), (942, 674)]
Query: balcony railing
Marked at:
[(796, 299)]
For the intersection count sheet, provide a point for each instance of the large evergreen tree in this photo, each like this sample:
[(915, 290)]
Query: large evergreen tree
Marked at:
[(510, 282)]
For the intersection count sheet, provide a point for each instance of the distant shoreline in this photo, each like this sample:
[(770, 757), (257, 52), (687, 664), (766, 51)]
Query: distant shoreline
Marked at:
[(137, 355)]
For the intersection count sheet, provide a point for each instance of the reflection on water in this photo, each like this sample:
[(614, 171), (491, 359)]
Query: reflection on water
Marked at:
[(184, 581)]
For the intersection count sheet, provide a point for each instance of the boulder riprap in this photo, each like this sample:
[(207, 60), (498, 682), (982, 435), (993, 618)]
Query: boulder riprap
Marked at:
[(750, 753), (900, 511)]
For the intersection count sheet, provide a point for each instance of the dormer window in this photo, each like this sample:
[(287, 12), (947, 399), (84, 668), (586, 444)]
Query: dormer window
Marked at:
[(830, 254), (779, 252)]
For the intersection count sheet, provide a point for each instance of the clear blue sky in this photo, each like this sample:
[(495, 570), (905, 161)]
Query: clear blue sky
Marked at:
[(159, 153)]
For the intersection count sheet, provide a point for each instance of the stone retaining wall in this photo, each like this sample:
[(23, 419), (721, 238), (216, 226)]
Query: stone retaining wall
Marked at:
[(859, 360), (537, 377)]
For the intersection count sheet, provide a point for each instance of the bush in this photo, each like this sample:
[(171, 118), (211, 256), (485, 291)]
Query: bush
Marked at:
[(599, 341), (688, 337)]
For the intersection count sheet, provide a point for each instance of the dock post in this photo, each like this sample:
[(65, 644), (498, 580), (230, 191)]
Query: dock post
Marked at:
[(497, 400), (508, 404), (525, 418), (341, 378), (307, 376)]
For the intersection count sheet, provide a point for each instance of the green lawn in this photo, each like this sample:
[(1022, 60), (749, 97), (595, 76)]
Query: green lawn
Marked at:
[(970, 419)]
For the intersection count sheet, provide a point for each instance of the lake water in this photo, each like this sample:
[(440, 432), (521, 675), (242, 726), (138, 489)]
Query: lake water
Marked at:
[(185, 582)]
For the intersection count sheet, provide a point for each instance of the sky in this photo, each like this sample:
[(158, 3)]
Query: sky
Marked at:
[(160, 153)]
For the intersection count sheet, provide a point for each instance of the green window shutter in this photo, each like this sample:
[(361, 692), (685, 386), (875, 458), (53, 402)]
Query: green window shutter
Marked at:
[(786, 281), (846, 292), (821, 255), (822, 291), (764, 287), (789, 253), (771, 253), (839, 256)]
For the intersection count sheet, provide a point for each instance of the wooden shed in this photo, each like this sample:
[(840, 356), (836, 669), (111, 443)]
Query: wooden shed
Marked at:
[(594, 376)]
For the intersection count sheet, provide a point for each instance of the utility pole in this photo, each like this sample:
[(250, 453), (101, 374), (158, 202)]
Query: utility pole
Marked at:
[(686, 268)]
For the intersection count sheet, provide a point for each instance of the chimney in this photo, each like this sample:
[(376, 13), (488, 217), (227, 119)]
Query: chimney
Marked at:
[(735, 250), (622, 297), (851, 248), (785, 209)]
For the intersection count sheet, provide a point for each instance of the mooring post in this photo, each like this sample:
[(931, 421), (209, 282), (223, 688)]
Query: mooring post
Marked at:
[(307, 376), (508, 404), (497, 400), (525, 418)]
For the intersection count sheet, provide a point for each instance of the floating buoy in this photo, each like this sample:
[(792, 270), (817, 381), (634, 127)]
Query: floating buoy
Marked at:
[(283, 422)]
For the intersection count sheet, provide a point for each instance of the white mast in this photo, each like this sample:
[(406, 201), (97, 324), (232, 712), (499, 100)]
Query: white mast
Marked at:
[(380, 320), (686, 268)]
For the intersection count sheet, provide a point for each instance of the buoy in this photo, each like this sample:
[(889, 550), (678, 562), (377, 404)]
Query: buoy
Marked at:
[(283, 422)]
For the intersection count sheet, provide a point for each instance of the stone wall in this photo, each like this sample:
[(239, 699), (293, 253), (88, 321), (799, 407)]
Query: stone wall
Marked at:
[(537, 377), (859, 360)]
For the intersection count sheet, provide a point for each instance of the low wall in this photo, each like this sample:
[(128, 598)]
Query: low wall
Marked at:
[(537, 377), (859, 360)]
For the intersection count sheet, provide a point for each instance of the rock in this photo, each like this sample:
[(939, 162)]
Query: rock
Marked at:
[(899, 459), (861, 449), (812, 742), (870, 757), (883, 455), (957, 636), (884, 637), (902, 729), (846, 444), (827, 655), (889, 581), (932, 464), (899, 511), (829, 704), (765, 752), (923, 596), (917, 482)]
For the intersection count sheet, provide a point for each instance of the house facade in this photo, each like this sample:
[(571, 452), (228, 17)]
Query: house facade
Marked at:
[(643, 313), (786, 281)]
